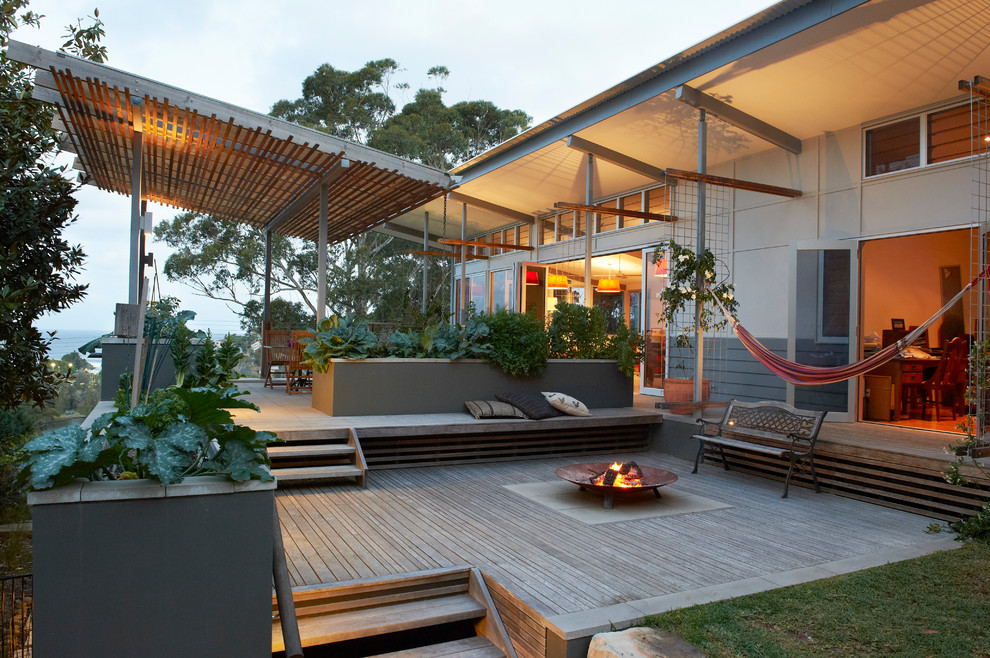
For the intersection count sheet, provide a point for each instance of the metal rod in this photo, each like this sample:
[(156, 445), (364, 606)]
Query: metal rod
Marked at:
[(283, 593), (700, 280)]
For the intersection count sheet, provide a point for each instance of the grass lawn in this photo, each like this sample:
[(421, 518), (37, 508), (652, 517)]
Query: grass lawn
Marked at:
[(937, 605)]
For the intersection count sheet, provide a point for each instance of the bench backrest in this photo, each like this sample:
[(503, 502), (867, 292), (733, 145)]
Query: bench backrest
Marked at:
[(772, 420)]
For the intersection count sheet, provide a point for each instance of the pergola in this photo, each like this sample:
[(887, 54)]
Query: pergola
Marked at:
[(154, 142)]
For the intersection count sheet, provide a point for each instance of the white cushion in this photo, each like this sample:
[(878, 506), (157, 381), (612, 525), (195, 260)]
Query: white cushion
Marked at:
[(567, 404)]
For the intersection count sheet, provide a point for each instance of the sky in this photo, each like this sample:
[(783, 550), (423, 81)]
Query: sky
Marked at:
[(540, 56)]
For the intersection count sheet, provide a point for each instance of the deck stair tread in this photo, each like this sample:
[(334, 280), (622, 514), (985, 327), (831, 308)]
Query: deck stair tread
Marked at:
[(316, 450), (472, 647), (316, 472), (382, 620)]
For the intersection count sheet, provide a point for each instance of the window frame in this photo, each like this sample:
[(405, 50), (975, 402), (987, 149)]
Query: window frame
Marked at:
[(923, 143)]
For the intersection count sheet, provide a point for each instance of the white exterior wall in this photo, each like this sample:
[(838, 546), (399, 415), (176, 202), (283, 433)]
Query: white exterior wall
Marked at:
[(837, 204)]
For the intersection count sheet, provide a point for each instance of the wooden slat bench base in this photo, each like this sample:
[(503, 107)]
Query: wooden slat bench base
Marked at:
[(472, 647)]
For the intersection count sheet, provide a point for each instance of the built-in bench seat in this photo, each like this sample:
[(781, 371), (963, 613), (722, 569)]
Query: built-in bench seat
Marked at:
[(427, 439)]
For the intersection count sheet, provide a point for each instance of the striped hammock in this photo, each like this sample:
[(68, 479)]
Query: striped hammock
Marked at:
[(800, 374)]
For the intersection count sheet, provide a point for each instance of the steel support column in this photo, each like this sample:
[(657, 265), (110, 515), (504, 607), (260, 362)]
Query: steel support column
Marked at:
[(426, 262), (700, 280), (266, 317), (321, 255), (133, 274), (462, 315), (589, 219)]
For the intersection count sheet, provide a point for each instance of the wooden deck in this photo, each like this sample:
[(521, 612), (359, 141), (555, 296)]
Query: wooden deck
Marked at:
[(556, 565)]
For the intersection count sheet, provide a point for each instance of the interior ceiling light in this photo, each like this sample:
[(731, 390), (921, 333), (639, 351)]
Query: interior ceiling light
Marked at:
[(608, 285), (532, 278), (557, 282)]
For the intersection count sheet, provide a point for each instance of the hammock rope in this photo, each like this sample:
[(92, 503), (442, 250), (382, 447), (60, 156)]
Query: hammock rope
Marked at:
[(800, 374)]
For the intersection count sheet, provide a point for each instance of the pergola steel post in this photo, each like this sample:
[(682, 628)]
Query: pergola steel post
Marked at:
[(321, 255), (464, 289), (589, 296), (700, 280), (266, 318), (133, 289), (426, 262)]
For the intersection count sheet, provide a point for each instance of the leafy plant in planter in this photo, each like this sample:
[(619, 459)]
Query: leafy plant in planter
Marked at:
[(579, 332), (177, 433), (446, 341), (518, 342), (339, 338)]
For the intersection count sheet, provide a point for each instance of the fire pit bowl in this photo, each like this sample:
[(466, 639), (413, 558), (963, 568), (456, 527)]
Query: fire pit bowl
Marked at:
[(584, 476)]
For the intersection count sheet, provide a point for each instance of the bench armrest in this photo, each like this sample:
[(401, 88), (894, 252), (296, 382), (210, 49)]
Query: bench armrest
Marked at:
[(709, 428)]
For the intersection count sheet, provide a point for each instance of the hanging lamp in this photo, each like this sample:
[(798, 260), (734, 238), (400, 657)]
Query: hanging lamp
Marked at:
[(557, 282), (608, 284), (532, 278)]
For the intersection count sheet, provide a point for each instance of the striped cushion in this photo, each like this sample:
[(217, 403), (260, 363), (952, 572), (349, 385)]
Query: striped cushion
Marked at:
[(492, 409)]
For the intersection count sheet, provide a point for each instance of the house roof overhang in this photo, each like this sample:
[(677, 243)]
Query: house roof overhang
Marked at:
[(806, 67), (208, 156)]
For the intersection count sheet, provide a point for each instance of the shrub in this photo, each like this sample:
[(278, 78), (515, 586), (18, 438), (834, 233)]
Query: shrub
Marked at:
[(339, 338), (446, 341), (518, 342), (579, 332)]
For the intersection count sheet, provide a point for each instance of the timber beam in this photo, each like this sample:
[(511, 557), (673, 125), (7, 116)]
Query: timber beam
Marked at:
[(339, 168), (614, 157), (734, 183), (738, 118), (479, 243), (606, 210), (514, 215)]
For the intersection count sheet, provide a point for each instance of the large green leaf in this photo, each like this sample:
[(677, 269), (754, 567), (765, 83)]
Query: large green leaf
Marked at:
[(171, 454), (207, 406), (60, 455), (242, 463)]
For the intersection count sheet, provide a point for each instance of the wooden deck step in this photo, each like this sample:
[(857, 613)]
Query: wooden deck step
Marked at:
[(311, 473), (332, 450), (383, 620), (472, 647)]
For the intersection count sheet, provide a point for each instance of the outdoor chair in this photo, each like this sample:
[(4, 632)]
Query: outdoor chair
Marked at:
[(299, 376), (276, 347), (949, 377)]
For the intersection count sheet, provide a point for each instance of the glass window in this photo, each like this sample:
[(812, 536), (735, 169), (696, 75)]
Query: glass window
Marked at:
[(523, 235), (949, 135), (503, 290), (632, 202), (660, 200), (607, 222), (476, 292), (548, 227), (893, 147)]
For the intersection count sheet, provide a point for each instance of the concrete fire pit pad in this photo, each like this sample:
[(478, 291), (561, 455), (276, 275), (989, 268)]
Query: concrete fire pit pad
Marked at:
[(586, 506)]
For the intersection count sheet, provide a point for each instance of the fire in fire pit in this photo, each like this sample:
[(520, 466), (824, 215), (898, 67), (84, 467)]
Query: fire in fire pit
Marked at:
[(616, 478), (626, 474)]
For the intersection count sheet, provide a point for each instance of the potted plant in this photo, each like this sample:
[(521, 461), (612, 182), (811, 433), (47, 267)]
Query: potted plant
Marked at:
[(692, 282), (165, 509)]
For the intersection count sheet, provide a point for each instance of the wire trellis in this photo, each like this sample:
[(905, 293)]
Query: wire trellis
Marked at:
[(718, 239), (980, 185)]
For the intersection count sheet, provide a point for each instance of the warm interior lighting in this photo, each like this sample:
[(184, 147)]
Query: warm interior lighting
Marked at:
[(661, 268), (557, 282), (608, 285), (987, 138), (532, 278)]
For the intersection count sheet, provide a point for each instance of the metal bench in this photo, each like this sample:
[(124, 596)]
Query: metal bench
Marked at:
[(771, 428)]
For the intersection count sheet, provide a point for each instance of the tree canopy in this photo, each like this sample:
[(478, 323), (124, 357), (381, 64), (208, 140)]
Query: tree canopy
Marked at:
[(371, 275), (37, 265)]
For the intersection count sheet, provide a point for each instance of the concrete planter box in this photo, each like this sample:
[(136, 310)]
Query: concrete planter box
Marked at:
[(371, 387), (137, 568)]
